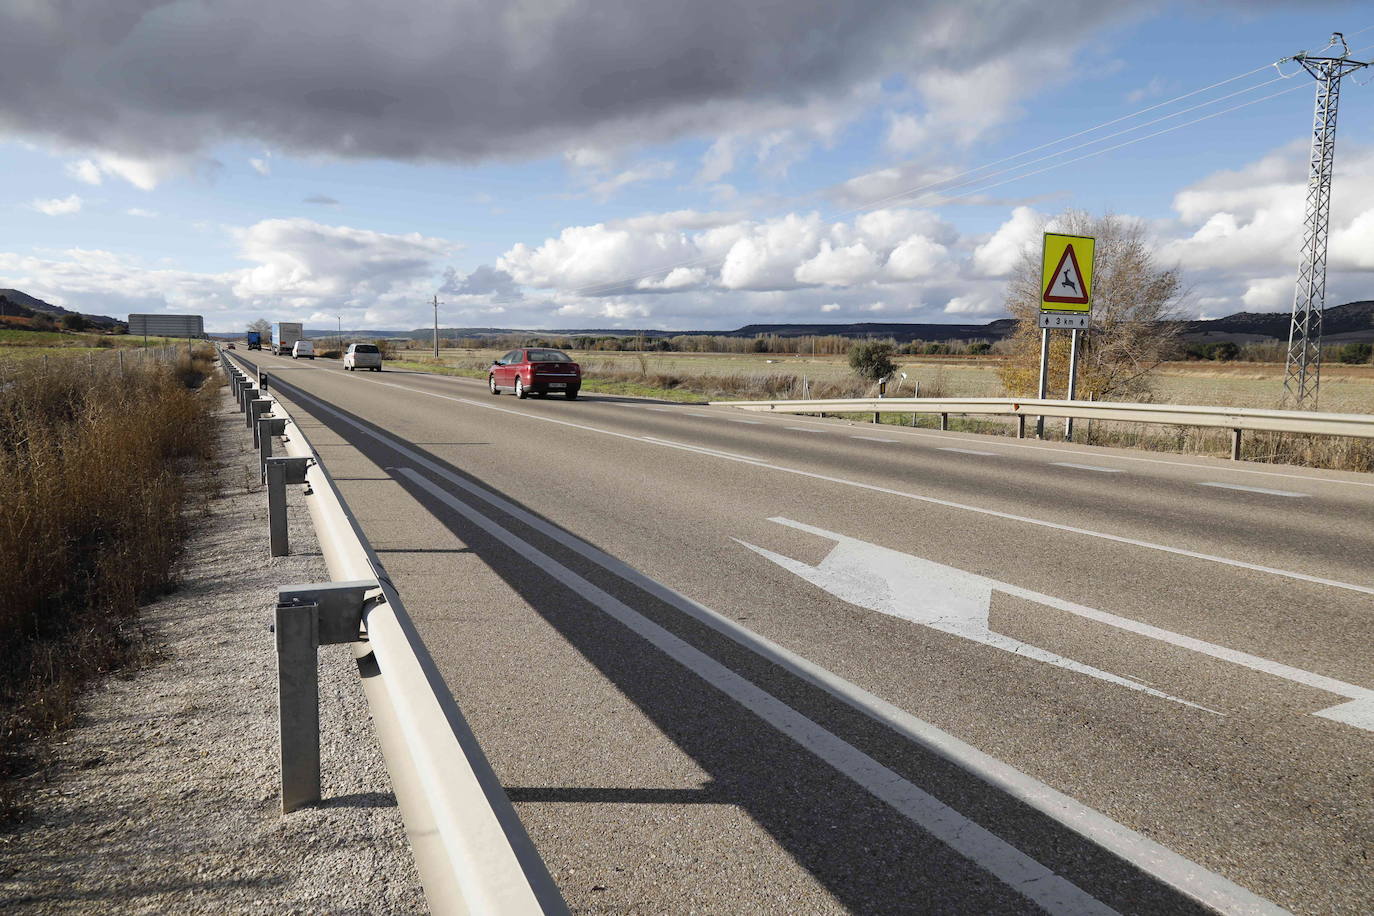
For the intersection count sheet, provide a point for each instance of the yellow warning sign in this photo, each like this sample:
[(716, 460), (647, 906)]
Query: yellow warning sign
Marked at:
[(1066, 274)]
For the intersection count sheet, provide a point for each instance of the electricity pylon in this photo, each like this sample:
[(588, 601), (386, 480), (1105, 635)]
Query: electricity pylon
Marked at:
[(1302, 379)]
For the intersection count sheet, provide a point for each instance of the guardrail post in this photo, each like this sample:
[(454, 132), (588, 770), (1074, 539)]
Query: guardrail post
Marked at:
[(262, 380), (1020, 426), (280, 472), (944, 422), (246, 394), (1235, 445), (268, 426), (256, 408), (307, 617)]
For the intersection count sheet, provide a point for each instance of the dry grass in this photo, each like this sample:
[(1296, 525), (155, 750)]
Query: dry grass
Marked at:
[(94, 463)]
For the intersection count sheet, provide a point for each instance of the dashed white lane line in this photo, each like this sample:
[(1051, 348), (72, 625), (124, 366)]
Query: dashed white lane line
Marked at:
[(803, 429), (750, 422), (873, 439), (1264, 490), (662, 409), (966, 451), (1085, 467), (693, 413)]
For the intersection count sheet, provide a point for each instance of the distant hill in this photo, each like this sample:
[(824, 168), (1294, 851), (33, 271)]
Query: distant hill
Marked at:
[(35, 305), (1341, 323)]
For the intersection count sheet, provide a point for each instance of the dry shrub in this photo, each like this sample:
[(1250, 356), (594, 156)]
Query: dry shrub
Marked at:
[(93, 461)]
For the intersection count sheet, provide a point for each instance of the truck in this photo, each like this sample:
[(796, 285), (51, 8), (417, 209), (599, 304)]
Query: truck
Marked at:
[(254, 340), (284, 336)]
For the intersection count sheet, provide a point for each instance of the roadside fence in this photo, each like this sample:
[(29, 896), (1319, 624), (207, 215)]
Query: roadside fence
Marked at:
[(1236, 419), (472, 853)]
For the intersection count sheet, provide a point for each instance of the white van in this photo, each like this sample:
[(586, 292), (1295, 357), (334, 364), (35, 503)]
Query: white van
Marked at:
[(302, 348), (363, 356)]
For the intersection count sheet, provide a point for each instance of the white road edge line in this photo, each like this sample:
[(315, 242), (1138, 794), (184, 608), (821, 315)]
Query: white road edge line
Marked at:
[(803, 429), (1149, 856), (873, 439), (965, 451), (750, 422), (933, 500), (1013, 867), (1237, 486), (1085, 467)]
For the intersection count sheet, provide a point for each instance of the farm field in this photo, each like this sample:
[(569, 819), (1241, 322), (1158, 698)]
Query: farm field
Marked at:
[(1345, 389)]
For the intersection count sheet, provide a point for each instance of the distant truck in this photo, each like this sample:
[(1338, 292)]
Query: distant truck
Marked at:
[(165, 325), (254, 340), (284, 336)]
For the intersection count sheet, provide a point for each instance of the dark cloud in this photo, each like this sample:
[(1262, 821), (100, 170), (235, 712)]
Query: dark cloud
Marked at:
[(471, 79), (323, 200), (484, 281)]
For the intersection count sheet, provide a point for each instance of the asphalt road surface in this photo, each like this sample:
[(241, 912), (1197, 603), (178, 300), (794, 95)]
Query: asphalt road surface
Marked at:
[(733, 663)]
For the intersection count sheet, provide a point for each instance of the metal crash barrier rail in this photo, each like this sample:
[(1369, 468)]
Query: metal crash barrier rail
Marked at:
[(1236, 419), (472, 852)]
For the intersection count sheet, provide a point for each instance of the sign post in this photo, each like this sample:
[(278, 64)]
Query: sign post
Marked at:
[(1066, 276)]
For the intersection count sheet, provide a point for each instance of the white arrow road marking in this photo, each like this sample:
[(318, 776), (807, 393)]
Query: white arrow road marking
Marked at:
[(954, 601), (930, 594), (1085, 467), (1010, 865), (1237, 486)]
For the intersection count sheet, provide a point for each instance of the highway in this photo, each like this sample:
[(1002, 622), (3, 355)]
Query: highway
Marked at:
[(730, 663)]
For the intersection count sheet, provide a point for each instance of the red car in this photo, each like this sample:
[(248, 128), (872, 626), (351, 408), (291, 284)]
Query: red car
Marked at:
[(536, 369)]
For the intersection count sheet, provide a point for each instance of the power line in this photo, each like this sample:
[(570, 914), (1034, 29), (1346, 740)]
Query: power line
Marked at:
[(943, 184)]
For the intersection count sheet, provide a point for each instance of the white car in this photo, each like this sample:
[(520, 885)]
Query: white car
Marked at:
[(363, 356), (302, 348)]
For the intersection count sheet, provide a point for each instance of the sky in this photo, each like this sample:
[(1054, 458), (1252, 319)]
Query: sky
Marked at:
[(655, 163)]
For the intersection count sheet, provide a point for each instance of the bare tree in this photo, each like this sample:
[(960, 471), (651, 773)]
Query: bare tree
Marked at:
[(1136, 311), (262, 326)]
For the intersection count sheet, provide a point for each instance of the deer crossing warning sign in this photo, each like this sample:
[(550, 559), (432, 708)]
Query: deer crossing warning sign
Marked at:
[(1066, 281)]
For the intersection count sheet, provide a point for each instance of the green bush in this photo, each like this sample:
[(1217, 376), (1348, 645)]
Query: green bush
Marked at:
[(75, 322), (872, 360), (1355, 353)]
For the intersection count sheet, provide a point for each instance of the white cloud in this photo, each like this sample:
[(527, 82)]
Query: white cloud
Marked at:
[(830, 307), (58, 206), (85, 170), (718, 161), (140, 212), (845, 266), (1002, 252), (297, 268), (300, 261), (261, 166), (917, 257)]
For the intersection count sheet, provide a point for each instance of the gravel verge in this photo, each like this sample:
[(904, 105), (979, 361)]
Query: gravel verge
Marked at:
[(164, 797)]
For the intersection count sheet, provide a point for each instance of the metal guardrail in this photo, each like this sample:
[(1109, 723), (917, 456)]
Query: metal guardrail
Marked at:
[(1236, 419), (470, 848)]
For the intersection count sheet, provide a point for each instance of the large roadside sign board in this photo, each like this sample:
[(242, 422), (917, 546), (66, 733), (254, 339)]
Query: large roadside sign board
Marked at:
[(1066, 281)]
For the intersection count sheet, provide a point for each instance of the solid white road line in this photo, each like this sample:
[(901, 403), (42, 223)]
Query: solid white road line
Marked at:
[(1236, 486), (1150, 856), (964, 451), (872, 439), (803, 429), (990, 852), (904, 494), (750, 422), (1085, 467)]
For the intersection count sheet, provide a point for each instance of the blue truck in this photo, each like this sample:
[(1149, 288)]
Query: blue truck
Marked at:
[(254, 340)]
